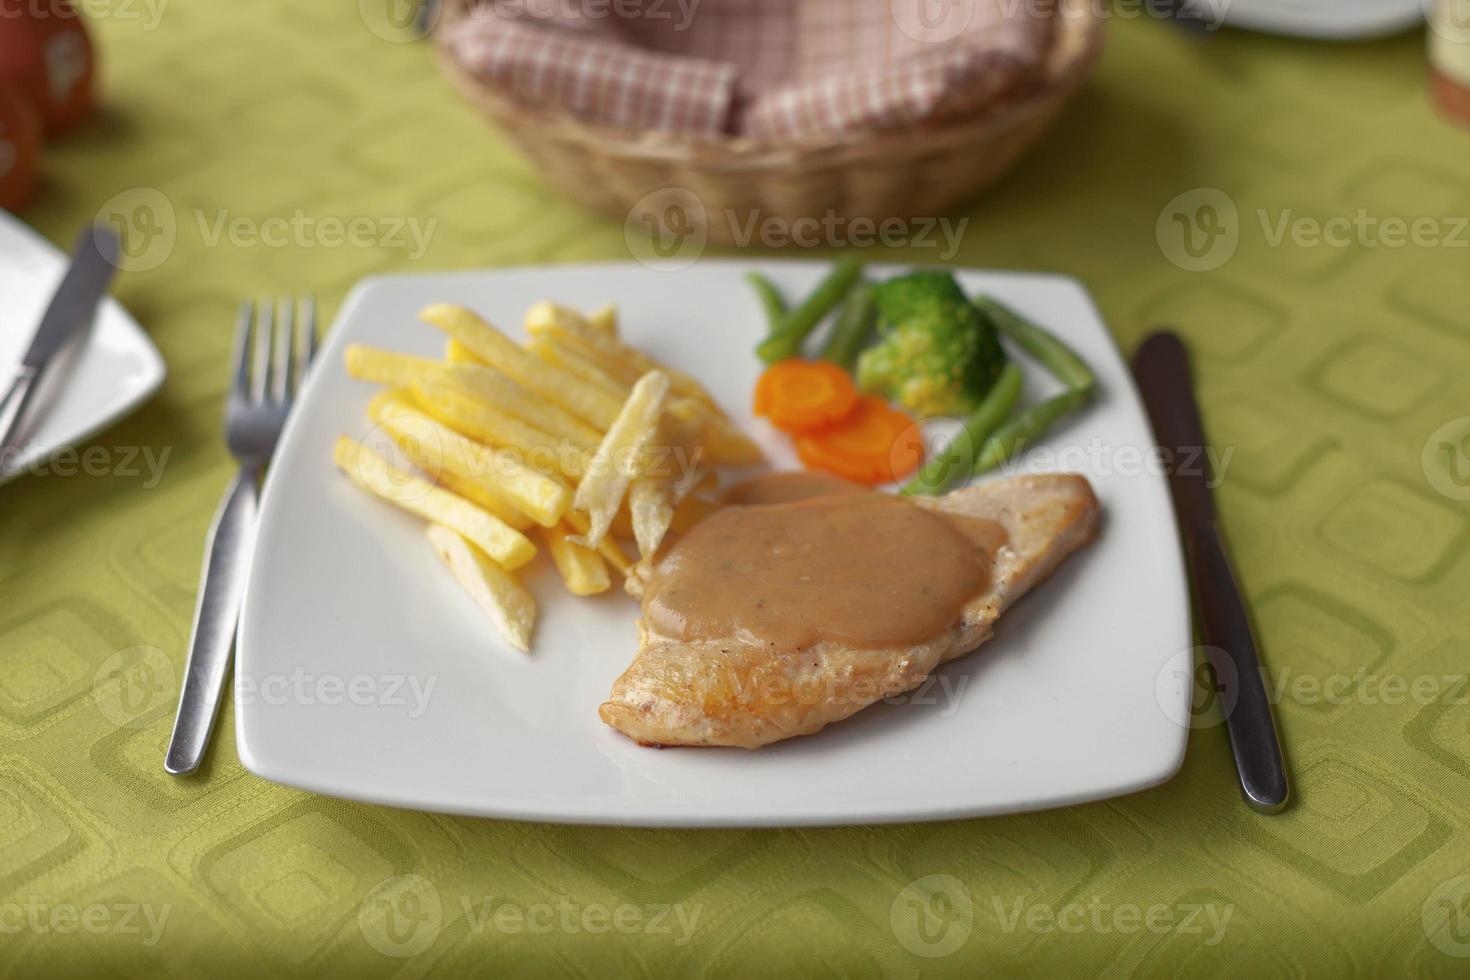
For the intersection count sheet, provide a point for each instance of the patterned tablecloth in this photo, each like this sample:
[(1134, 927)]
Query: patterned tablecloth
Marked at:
[(1333, 359)]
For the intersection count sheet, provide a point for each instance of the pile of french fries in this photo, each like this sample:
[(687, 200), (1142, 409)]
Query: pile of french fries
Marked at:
[(574, 439)]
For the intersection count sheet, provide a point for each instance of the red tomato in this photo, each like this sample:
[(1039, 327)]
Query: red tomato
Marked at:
[(45, 50), (20, 148)]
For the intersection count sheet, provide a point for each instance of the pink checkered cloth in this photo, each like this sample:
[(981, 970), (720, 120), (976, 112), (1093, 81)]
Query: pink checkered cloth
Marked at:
[(771, 70)]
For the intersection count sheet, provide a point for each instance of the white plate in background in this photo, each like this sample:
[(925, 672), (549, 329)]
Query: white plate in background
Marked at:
[(93, 382), (1330, 19), (1076, 698)]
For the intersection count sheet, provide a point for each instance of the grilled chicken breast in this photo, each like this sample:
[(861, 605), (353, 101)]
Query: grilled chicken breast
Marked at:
[(729, 691)]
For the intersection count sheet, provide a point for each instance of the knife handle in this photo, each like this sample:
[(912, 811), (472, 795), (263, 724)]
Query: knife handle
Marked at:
[(1226, 631), (13, 408)]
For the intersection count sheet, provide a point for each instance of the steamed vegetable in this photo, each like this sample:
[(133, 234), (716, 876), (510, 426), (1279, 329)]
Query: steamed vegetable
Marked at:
[(957, 460), (854, 324), (799, 396), (875, 444), (1018, 430), (937, 353), (1054, 355), (771, 299), (1060, 360), (786, 340), (990, 437)]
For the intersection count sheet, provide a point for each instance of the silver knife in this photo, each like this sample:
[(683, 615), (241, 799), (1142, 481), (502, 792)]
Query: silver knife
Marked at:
[(1161, 367), (93, 264)]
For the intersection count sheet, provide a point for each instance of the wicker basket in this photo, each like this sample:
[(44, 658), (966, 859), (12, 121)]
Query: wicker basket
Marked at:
[(921, 172)]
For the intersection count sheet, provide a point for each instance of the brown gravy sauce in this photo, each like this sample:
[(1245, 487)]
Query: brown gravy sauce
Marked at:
[(797, 558)]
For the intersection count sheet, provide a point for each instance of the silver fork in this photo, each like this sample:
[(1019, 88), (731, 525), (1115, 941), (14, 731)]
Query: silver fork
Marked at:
[(259, 402)]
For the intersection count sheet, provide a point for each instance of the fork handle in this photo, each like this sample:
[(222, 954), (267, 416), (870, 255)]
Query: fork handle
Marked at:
[(222, 586)]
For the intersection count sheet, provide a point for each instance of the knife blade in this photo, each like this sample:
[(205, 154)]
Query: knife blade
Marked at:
[(1161, 367), (94, 261)]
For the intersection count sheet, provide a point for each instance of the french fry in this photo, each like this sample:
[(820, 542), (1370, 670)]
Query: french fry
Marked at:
[(575, 364), (720, 440), (595, 407), (573, 349), (608, 363), (387, 397), (687, 513), (607, 547), (726, 445), (504, 394), (413, 493), (583, 571), (475, 491), (604, 320), (676, 451), (623, 361), (620, 455), (546, 313), (387, 367), (605, 415), (665, 475), (651, 505), (480, 494), (460, 411), (614, 555), (434, 447), (457, 353), (510, 607)]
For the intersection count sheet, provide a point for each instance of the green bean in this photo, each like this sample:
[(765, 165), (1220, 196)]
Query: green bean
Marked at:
[(771, 300), (957, 460), (1054, 355), (1012, 437), (1057, 358), (786, 341), (853, 323), (997, 437)]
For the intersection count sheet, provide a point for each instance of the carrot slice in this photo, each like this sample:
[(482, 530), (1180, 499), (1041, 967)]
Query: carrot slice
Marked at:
[(800, 396), (874, 445)]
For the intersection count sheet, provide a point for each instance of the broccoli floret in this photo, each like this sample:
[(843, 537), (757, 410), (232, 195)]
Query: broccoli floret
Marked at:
[(937, 353)]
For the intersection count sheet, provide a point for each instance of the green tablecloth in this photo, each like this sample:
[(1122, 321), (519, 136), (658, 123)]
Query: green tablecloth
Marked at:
[(1327, 368)]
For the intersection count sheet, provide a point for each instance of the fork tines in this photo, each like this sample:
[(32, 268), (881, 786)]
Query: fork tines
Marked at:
[(279, 338)]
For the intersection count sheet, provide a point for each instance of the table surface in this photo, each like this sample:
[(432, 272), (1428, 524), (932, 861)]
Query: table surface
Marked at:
[(1329, 370)]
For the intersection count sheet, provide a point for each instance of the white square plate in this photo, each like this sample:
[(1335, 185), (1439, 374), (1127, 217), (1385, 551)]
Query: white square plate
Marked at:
[(365, 673), (93, 383)]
